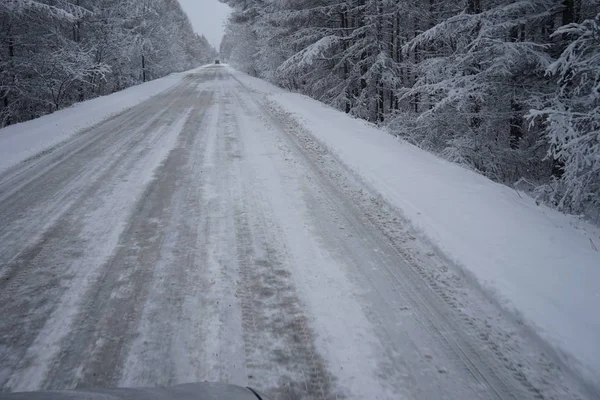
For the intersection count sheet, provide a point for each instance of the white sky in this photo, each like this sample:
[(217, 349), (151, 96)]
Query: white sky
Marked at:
[(207, 17)]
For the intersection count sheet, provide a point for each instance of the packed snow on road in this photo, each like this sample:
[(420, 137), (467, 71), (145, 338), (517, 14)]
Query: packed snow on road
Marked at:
[(212, 227)]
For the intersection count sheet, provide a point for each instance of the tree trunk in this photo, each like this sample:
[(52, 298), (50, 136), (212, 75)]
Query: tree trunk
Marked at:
[(416, 98), (568, 14), (345, 26), (143, 68), (5, 102), (516, 125), (380, 49), (380, 103), (77, 39), (11, 47), (474, 6), (11, 54)]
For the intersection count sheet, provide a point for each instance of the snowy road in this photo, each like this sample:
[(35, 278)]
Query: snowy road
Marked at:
[(203, 235)]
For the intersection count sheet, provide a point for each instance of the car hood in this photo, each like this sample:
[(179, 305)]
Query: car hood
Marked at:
[(192, 391)]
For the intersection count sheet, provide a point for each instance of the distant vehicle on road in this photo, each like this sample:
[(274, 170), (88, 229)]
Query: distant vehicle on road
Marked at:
[(217, 62)]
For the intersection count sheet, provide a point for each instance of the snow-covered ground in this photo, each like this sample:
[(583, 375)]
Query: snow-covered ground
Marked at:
[(539, 263), (21, 141), (226, 230)]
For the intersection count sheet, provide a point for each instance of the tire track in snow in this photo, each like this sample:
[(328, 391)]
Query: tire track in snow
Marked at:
[(61, 177), (169, 348), (279, 344), (396, 276), (469, 343), (46, 275), (107, 323)]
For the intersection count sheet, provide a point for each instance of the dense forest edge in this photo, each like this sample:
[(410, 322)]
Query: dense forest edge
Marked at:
[(508, 88), (55, 53)]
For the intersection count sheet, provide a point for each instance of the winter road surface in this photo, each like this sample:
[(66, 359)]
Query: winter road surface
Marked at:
[(203, 235)]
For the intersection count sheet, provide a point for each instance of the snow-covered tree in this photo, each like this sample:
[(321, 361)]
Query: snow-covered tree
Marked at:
[(573, 116), (456, 78), (54, 53), (477, 84)]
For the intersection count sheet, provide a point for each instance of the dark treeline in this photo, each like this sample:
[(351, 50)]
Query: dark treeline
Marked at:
[(58, 52), (509, 88)]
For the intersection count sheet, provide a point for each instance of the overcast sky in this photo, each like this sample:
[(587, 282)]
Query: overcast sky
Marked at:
[(207, 17)]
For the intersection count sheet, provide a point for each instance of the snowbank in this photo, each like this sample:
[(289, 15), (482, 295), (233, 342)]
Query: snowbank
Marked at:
[(21, 141), (534, 260)]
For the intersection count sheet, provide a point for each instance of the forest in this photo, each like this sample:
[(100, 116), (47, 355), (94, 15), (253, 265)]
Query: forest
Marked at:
[(58, 52), (508, 88)]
